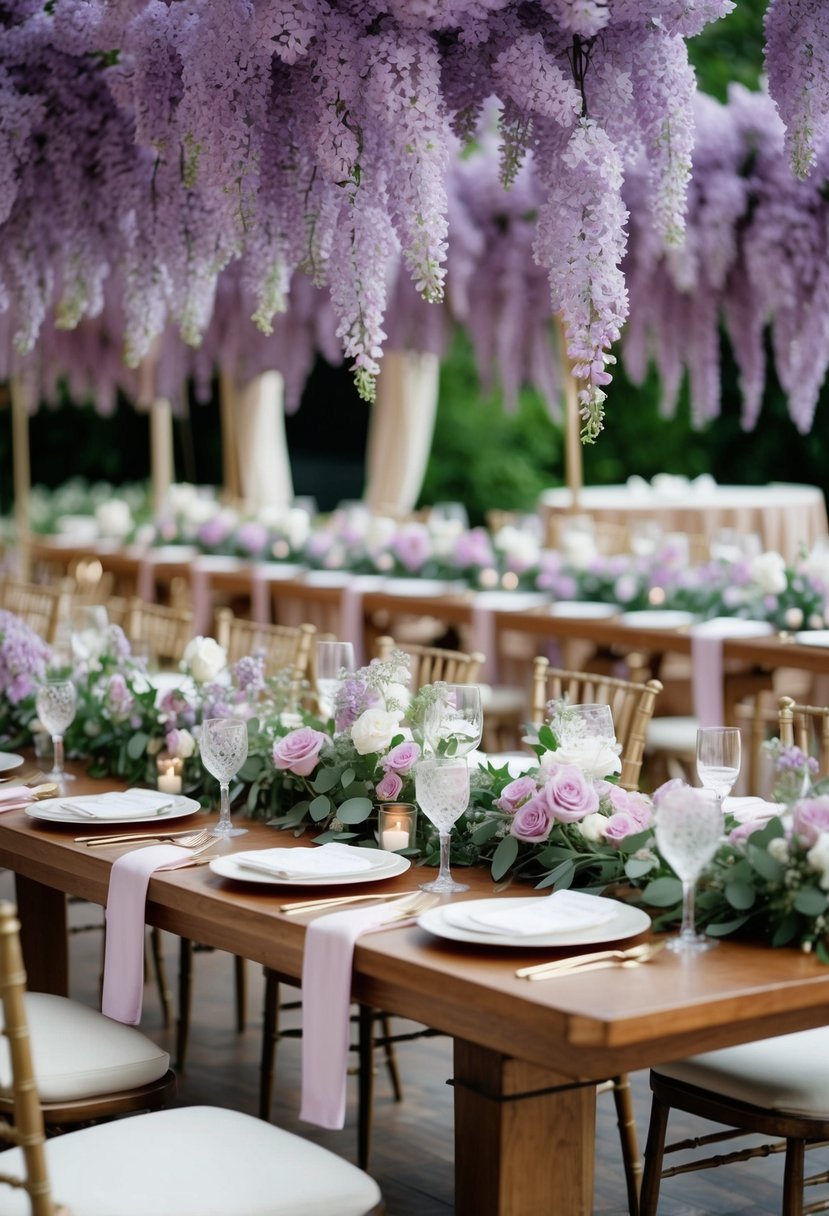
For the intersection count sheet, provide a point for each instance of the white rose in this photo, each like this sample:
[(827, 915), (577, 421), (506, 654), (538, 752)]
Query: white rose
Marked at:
[(594, 757), (768, 571), (374, 730), (522, 548), (579, 548), (380, 531), (186, 745), (592, 827), (818, 859), (114, 518), (204, 658)]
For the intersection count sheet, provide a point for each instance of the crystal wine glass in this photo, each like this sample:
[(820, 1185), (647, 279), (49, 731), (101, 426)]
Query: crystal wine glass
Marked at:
[(331, 659), (224, 747), (442, 793), (575, 723), (689, 826), (454, 722), (718, 758), (55, 703)]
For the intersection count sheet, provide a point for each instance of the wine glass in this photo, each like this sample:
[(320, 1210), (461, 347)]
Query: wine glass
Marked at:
[(331, 659), (55, 703), (689, 826), (576, 723), (718, 758), (453, 723), (442, 793), (224, 747)]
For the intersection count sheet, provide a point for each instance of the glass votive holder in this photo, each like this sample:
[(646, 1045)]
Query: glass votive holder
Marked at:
[(169, 770), (396, 826)]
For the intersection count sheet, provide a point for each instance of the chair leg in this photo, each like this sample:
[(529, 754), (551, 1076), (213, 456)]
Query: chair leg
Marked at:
[(365, 1082), (270, 1034), (185, 986), (391, 1058), (240, 977), (793, 1178), (157, 955), (629, 1140), (654, 1152)]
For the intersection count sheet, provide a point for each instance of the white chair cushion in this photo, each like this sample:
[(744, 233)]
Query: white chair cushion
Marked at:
[(80, 1053), (195, 1161), (788, 1074), (504, 699), (677, 735)]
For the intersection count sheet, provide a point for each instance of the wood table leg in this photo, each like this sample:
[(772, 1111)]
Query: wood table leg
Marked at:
[(524, 1138), (42, 913)]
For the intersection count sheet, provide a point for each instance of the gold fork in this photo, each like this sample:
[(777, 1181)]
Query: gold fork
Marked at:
[(188, 840), (337, 901), (634, 954)]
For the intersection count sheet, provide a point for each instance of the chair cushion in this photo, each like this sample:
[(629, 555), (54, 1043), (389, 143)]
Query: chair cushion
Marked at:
[(788, 1074), (195, 1161), (80, 1053), (504, 699), (677, 735)]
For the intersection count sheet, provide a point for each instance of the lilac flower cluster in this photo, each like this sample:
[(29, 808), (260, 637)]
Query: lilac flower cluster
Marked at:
[(24, 658)]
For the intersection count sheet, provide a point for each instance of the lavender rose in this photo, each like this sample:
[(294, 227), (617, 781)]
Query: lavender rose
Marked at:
[(299, 751), (570, 796), (810, 818), (516, 793), (389, 786), (619, 825), (402, 758), (532, 821)]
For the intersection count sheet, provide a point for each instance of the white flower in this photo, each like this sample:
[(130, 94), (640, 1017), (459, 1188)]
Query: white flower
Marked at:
[(204, 658), (592, 827), (768, 570), (114, 518), (186, 745), (578, 547), (397, 694), (778, 849), (521, 547), (290, 720), (818, 859), (595, 757), (374, 730), (793, 618)]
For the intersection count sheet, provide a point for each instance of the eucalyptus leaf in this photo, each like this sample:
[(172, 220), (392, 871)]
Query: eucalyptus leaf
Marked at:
[(347, 777), (137, 745), (724, 927), (504, 856), (740, 895), (485, 831), (326, 779), (810, 901), (765, 865), (637, 867), (320, 808), (663, 892), (561, 877), (355, 810)]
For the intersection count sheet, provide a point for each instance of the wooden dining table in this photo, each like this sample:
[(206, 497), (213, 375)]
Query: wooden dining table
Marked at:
[(527, 1056)]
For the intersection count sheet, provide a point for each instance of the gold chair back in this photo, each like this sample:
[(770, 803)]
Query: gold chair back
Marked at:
[(631, 704), (284, 645), (42, 608), (432, 663), (807, 727), (166, 631)]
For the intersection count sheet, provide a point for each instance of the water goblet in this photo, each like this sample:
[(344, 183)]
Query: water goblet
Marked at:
[(55, 703), (223, 744), (688, 824), (332, 658), (575, 723), (442, 793), (718, 758), (453, 723)]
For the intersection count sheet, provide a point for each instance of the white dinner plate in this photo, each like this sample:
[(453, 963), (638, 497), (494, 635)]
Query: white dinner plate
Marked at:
[(584, 610), (813, 637), (657, 618), (390, 867), (53, 810), (628, 921), (9, 760)]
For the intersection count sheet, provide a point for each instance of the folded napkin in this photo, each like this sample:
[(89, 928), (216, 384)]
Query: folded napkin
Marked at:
[(123, 989), (326, 997), (324, 861), (751, 809), (127, 804), (561, 912), (15, 797)]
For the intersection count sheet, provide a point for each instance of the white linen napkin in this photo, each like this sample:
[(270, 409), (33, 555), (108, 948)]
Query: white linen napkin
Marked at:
[(127, 804), (750, 809), (561, 912), (324, 861)]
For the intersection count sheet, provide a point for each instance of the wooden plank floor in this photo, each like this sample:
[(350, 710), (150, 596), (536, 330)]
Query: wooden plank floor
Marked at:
[(412, 1156)]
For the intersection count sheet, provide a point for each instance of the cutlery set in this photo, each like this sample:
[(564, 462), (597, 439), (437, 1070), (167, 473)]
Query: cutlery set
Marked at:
[(635, 956), (187, 839)]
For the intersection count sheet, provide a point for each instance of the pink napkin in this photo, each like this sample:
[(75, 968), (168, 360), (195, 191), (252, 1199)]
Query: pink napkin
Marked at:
[(260, 595), (707, 655), (352, 625), (326, 997), (15, 798), (123, 992)]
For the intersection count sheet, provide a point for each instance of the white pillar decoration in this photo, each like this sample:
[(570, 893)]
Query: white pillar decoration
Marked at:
[(258, 441), (400, 431), (22, 403)]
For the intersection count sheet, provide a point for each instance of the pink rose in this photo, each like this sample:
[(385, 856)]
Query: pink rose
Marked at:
[(570, 796), (401, 758), (810, 817), (532, 821), (619, 825), (516, 793), (631, 803), (299, 750), (389, 786)]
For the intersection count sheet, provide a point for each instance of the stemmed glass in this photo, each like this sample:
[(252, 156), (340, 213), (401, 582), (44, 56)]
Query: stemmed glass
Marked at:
[(689, 826), (223, 744), (453, 723), (718, 758), (442, 793), (331, 659), (575, 723), (55, 703)]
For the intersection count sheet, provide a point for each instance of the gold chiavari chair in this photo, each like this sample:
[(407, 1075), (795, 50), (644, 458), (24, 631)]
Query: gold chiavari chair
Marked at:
[(283, 645), (165, 630), (42, 608), (807, 727), (432, 663), (175, 1160)]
